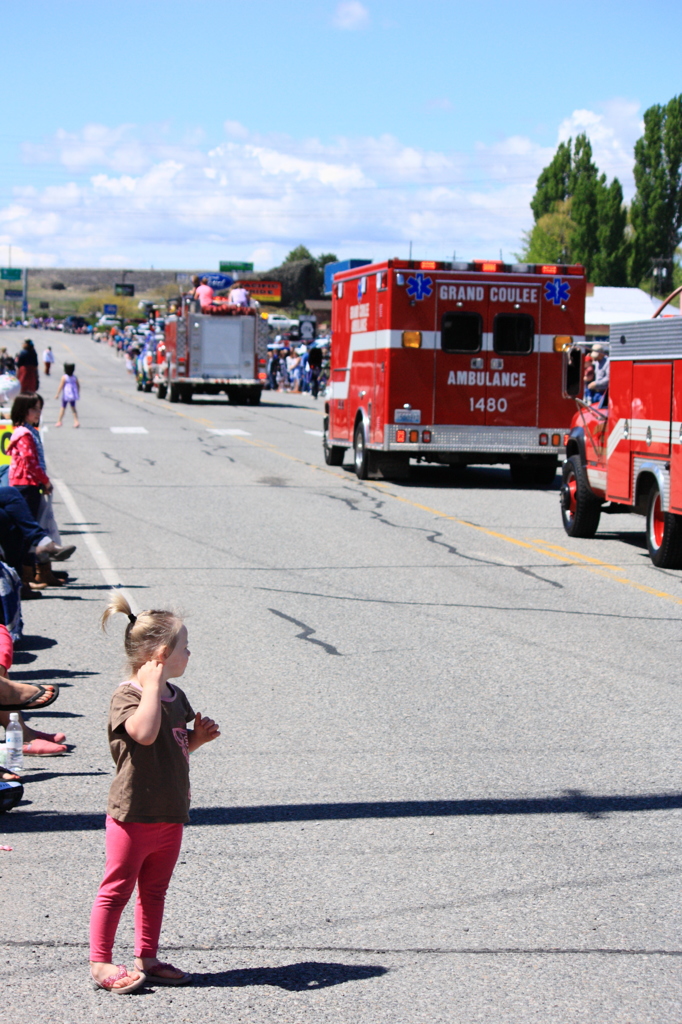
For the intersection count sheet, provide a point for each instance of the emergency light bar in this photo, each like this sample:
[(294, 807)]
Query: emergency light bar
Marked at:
[(492, 267)]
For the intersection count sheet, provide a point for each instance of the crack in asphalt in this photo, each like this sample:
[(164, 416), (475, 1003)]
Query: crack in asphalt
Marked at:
[(116, 462), (432, 535), (307, 633)]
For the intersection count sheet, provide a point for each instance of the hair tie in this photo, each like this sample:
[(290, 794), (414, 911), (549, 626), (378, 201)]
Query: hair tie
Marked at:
[(133, 618)]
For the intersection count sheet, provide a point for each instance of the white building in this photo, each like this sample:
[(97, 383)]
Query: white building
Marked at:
[(606, 306)]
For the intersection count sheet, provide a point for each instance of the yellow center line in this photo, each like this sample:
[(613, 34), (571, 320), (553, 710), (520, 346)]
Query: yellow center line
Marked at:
[(540, 547), (582, 558)]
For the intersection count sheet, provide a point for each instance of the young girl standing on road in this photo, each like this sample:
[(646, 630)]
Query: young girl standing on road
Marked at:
[(149, 797), (26, 471), (69, 389)]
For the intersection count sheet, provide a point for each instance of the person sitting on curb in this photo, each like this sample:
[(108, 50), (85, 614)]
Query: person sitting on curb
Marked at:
[(36, 744)]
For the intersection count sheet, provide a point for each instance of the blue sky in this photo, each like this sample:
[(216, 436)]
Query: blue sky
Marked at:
[(178, 134)]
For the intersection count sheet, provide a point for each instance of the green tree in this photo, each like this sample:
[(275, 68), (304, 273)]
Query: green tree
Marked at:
[(656, 210), (550, 239), (584, 186), (579, 218), (610, 265), (299, 253), (553, 185)]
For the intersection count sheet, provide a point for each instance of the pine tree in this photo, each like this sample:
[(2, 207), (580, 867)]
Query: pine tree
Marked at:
[(583, 184), (656, 210), (579, 218), (553, 185), (610, 261)]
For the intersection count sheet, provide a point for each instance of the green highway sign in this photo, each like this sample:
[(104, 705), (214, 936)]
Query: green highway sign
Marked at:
[(10, 274), (225, 268)]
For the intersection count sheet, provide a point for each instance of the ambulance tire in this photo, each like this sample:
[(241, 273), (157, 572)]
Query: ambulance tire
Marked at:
[(534, 473), (333, 453), (663, 534), (363, 459), (580, 508), (173, 393)]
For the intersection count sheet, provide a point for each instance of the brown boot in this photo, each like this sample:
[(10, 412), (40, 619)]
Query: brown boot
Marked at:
[(29, 578), (45, 577), (27, 594)]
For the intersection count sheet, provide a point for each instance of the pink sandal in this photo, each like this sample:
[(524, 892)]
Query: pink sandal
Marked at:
[(43, 748), (159, 979), (108, 983), (51, 737)]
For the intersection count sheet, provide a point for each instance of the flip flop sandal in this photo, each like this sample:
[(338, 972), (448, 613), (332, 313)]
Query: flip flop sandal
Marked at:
[(51, 737), (107, 983), (158, 979), (30, 703), (43, 748)]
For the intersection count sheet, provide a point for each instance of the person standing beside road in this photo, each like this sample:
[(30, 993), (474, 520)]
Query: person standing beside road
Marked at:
[(69, 389), (315, 364), (25, 471), (48, 359), (27, 367), (149, 797)]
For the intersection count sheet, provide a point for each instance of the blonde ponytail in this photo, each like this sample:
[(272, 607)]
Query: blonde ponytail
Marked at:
[(146, 633)]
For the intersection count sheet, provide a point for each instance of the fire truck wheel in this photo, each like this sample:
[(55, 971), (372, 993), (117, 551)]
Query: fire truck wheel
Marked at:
[(186, 394), (254, 397), (663, 534), (173, 393), (362, 457), (540, 472), (161, 390), (580, 509)]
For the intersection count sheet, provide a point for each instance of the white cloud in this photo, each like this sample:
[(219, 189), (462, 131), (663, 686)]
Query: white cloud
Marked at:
[(255, 197), (350, 15), (613, 134)]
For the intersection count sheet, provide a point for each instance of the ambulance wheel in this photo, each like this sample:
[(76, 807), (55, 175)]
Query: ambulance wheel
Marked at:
[(362, 457), (161, 390), (540, 472), (333, 453), (173, 393), (580, 509), (663, 534)]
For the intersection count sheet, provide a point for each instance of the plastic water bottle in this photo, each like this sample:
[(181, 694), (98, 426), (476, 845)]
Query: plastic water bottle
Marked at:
[(14, 741)]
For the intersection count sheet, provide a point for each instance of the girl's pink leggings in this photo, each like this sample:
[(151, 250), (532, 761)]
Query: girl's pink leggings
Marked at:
[(136, 852)]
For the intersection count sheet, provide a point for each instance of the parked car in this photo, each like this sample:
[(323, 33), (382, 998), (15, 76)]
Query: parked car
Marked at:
[(109, 321), (281, 322)]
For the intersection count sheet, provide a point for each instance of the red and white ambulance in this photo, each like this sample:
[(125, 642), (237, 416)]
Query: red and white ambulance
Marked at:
[(628, 457), (456, 363)]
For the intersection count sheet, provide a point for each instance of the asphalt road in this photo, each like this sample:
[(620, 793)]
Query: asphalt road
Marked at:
[(448, 787)]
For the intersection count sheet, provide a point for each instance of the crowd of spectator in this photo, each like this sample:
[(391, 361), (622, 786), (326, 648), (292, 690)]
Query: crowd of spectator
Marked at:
[(29, 545)]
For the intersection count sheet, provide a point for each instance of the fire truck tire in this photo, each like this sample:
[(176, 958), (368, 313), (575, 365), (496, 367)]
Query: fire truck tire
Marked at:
[(580, 508), (663, 534), (254, 398), (161, 390), (173, 393), (363, 459), (186, 394), (539, 472)]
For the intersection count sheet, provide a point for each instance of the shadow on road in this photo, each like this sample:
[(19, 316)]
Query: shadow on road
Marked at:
[(573, 801), (303, 977)]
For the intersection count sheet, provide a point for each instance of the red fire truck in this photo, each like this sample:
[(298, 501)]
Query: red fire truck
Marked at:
[(217, 349), (628, 457), (456, 363)]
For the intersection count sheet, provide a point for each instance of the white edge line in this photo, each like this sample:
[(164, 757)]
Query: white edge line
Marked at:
[(111, 575)]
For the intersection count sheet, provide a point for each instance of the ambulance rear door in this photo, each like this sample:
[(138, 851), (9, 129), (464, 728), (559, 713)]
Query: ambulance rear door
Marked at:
[(460, 359), (513, 354)]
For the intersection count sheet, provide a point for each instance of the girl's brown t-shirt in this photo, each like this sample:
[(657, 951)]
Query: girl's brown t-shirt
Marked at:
[(152, 782)]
